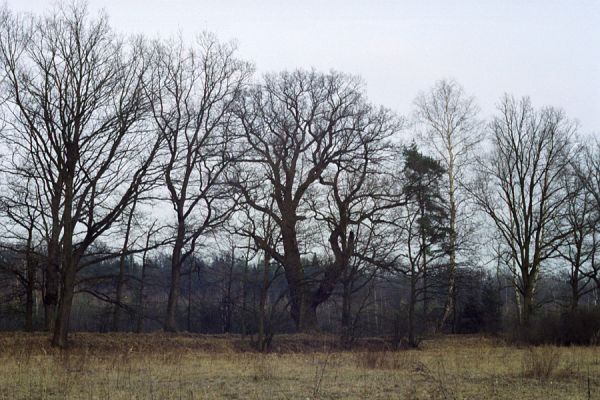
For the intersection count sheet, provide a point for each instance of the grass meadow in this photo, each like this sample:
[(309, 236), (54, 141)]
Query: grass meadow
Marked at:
[(161, 366)]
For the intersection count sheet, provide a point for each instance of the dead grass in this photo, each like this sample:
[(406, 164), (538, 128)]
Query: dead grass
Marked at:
[(159, 366), (541, 362)]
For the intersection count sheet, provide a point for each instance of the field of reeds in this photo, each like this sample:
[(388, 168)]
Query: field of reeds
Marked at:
[(161, 366)]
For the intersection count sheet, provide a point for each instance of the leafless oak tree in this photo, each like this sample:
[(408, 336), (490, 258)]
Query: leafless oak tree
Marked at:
[(75, 111), (520, 187), (580, 220), (354, 194), (296, 126), (191, 95), (21, 235)]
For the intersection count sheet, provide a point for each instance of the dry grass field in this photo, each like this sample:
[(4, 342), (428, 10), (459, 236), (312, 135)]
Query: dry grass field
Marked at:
[(159, 366)]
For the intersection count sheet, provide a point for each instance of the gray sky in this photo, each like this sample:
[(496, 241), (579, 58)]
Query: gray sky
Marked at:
[(547, 49)]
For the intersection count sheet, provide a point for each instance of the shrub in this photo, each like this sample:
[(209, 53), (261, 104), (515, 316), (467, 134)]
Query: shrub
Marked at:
[(540, 362), (378, 360), (580, 327)]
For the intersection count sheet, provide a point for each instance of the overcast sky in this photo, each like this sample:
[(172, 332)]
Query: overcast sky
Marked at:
[(547, 49)]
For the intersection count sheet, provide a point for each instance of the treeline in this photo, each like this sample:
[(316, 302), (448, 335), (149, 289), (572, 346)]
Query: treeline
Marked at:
[(160, 184)]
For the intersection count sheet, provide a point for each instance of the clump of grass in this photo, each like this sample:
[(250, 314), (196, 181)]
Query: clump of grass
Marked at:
[(378, 360), (264, 370), (541, 362)]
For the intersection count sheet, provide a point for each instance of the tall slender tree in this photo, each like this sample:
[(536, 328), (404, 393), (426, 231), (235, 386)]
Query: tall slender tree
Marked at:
[(451, 129)]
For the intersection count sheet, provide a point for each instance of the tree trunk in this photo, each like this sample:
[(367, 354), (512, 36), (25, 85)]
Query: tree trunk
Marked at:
[(140, 308), (347, 331), (575, 268), (452, 253), (425, 299), (69, 267), (29, 304), (171, 317), (115, 326), (518, 303), (262, 304), (51, 284), (309, 321), (301, 299), (61, 327), (574, 290), (424, 272), (228, 301), (29, 259), (454, 313), (412, 341), (527, 304), (303, 311), (121, 278), (52, 273), (244, 296), (189, 305)]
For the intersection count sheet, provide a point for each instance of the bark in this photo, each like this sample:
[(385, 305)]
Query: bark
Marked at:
[(527, 306), (140, 307), (346, 322), (424, 246), (121, 278), (262, 304), (30, 265), (574, 298), (171, 318), (529, 282), (518, 303), (412, 340), (61, 328), (69, 260), (228, 301), (449, 305), (52, 273), (302, 308), (244, 296), (189, 305)]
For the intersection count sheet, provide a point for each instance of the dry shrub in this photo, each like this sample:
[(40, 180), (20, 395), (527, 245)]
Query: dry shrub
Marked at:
[(580, 327), (378, 360), (442, 383), (540, 362), (264, 369), (171, 357)]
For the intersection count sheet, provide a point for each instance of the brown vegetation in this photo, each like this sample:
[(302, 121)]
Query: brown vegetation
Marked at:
[(162, 366)]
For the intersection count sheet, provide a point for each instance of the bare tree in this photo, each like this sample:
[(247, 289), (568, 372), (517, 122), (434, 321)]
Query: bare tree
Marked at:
[(353, 196), (580, 221), (76, 111), (127, 244), (452, 131), (152, 230), (296, 126), (520, 187), (191, 95), (20, 211), (588, 171)]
